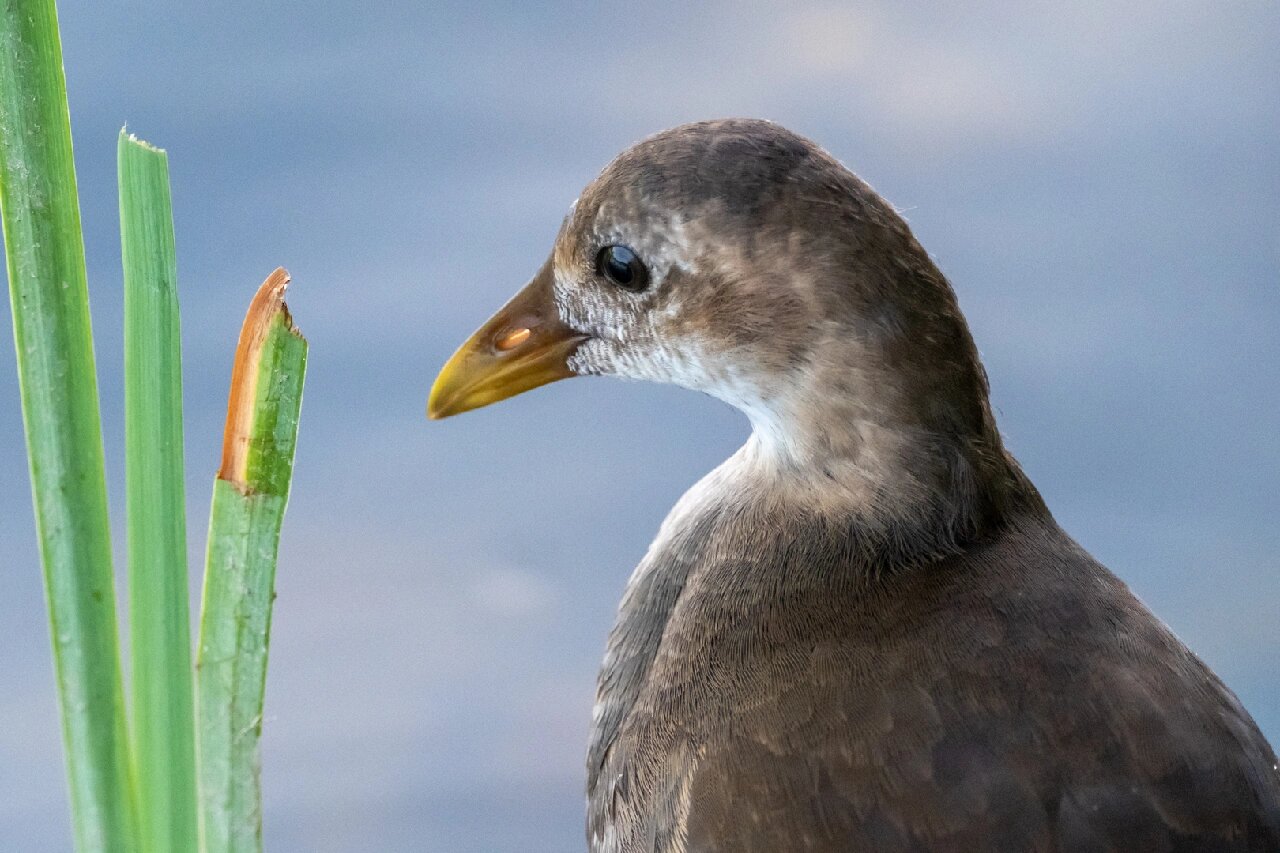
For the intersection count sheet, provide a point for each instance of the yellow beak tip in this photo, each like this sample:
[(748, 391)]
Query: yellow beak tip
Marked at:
[(439, 406)]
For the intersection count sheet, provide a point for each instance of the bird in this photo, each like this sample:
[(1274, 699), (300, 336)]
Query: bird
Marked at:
[(864, 631)]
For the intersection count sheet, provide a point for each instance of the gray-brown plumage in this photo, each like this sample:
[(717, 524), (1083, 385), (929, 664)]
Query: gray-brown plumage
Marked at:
[(864, 631)]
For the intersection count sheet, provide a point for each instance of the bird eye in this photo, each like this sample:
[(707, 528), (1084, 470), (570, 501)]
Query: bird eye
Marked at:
[(623, 267)]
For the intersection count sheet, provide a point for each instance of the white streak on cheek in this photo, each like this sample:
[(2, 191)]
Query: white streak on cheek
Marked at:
[(560, 289), (583, 310), (676, 249), (582, 363)]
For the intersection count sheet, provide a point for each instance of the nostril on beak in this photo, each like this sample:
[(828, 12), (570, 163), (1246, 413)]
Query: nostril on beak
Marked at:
[(512, 338)]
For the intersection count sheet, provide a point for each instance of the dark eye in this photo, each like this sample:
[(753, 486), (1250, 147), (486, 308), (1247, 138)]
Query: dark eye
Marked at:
[(623, 267)]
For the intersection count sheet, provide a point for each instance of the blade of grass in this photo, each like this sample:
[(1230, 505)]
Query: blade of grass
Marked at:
[(163, 720), (249, 498), (50, 300)]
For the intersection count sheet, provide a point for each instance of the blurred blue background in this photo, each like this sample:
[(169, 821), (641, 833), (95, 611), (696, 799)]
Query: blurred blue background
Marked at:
[(1100, 181)]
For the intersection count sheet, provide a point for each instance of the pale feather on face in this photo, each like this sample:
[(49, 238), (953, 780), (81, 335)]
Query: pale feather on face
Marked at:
[(628, 338), (667, 333)]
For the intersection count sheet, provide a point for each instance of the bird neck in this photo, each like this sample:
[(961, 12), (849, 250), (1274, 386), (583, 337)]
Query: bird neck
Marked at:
[(877, 462)]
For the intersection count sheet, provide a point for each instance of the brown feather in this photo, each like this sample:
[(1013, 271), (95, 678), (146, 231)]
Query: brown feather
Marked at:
[(864, 631)]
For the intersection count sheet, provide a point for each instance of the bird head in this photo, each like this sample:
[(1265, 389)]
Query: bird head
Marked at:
[(741, 260)]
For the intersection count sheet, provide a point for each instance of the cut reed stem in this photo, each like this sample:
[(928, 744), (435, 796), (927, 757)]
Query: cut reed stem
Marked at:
[(249, 498), (49, 295), (162, 716)]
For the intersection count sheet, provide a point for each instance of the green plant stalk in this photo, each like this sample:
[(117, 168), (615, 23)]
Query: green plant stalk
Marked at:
[(249, 498), (162, 713), (50, 300)]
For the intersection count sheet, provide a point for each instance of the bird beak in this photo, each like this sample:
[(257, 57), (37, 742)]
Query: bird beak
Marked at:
[(521, 347)]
